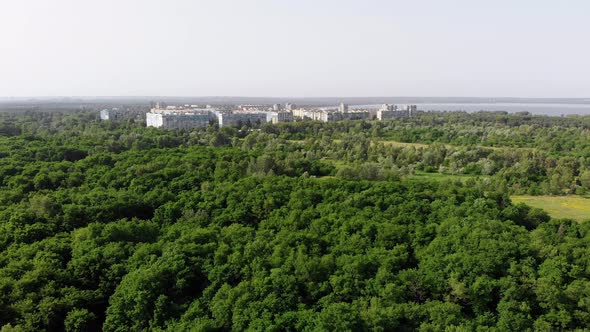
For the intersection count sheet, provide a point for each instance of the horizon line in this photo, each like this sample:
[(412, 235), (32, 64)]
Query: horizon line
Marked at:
[(280, 97)]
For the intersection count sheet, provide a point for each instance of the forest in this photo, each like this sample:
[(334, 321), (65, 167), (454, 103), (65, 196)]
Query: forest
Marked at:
[(398, 225)]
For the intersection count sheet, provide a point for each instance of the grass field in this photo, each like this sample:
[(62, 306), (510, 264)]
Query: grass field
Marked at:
[(424, 145), (572, 207)]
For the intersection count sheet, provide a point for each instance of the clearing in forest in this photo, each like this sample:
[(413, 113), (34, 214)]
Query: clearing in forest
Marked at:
[(572, 206)]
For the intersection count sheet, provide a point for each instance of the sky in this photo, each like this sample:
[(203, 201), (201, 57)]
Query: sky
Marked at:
[(288, 48)]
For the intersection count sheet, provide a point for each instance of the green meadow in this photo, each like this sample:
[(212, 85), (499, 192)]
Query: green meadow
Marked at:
[(572, 207)]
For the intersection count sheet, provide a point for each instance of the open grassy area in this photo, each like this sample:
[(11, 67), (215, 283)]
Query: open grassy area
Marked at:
[(573, 206), (424, 145)]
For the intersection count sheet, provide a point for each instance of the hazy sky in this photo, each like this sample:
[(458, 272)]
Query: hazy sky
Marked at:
[(298, 48)]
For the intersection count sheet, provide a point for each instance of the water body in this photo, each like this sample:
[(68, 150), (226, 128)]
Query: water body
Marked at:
[(533, 108)]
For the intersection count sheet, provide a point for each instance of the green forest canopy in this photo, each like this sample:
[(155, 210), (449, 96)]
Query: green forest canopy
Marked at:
[(302, 226)]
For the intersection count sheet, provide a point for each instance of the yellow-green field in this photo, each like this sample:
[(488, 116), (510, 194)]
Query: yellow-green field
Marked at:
[(572, 207), (424, 145)]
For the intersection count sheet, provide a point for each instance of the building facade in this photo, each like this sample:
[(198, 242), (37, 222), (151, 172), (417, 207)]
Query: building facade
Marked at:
[(119, 114), (330, 115), (392, 112), (343, 108), (281, 116), (290, 107), (179, 120), (239, 119)]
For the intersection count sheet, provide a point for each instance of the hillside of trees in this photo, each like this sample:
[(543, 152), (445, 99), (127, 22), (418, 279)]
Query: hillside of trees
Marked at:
[(295, 227)]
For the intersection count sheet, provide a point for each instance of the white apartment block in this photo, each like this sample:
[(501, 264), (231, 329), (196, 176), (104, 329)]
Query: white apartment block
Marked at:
[(327, 115), (179, 120)]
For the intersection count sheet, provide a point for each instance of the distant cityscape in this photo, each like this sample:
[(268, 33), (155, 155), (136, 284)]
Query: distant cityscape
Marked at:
[(141, 105), (189, 116)]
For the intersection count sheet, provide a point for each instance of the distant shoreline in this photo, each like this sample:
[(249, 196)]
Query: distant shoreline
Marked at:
[(547, 106), (552, 109)]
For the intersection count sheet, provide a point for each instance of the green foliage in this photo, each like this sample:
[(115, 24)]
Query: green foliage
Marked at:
[(303, 226)]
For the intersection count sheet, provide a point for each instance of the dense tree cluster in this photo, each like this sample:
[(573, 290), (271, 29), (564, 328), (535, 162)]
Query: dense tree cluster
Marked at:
[(518, 153), (118, 227)]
